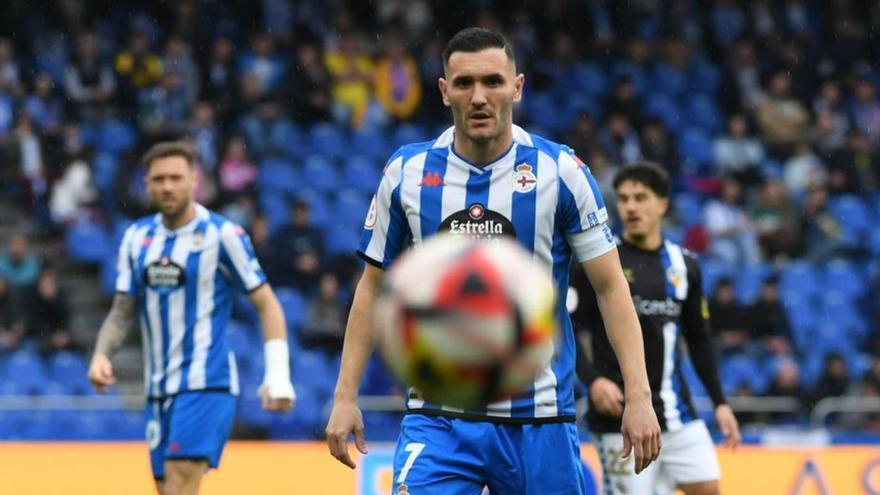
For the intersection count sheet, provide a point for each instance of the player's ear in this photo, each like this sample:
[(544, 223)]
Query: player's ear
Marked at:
[(518, 83), (664, 204), (443, 85)]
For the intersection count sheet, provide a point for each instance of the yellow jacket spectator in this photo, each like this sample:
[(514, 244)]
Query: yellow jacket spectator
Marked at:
[(398, 87), (352, 72), (136, 67)]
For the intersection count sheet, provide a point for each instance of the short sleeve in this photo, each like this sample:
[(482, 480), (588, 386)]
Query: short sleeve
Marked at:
[(124, 282), (239, 258), (386, 230), (582, 215)]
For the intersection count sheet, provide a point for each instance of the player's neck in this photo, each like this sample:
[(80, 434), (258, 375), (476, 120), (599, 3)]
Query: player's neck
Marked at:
[(649, 242), (174, 222), (482, 153)]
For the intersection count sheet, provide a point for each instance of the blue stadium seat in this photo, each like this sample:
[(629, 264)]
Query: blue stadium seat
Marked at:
[(69, 369), (842, 310), (874, 241), (371, 143), (242, 344), (87, 242), (319, 210), (114, 136), (749, 282), (294, 306), (625, 68), (713, 271), (799, 276), (407, 134), (249, 410), (542, 111), (590, 79), (695, 146), (362, 174), (854, 217), (26, 369), (327, 139), (844, 276), (704, 77), (314, 370), (688, 208), (668, 80), (105, 168), (741, 370), (321, 173), (703, 112), (665, 108), (350, 208), (275, 175), (276, 208), (343, 240)]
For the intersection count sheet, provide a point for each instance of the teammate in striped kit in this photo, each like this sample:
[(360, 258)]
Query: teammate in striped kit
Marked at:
[(485, 177), (667, 291), (178, 272)]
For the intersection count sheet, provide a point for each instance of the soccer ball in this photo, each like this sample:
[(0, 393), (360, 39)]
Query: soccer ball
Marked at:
[(466, 323)]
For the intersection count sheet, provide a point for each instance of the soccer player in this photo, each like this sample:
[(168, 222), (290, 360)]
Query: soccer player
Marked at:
[(178, 272), (485, 176), (666, 288)]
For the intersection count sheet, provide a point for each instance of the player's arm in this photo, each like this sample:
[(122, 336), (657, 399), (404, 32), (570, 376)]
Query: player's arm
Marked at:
[(276, 392), (346, 417), (604, 393), (696, 329), (111, 336), (641, 430)]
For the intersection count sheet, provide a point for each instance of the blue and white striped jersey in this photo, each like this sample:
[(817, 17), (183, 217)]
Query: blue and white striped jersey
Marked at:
[(537, 192), (184, 281)]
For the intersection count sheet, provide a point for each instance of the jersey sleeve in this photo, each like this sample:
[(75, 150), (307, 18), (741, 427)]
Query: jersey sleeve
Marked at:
[(239, 259), (124, 282), (386, 230), (581, 211), (695, 328)]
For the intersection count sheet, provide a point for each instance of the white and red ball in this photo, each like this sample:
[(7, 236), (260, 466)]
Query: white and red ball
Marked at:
[(466, 323)]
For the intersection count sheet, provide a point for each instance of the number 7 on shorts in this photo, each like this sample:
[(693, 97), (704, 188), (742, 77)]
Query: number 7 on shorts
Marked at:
[(414, 450)]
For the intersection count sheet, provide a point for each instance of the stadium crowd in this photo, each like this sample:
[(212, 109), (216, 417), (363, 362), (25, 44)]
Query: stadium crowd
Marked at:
[(765, 113)]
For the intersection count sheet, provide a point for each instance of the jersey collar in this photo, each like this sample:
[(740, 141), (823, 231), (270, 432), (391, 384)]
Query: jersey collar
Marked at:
[(201, 214)]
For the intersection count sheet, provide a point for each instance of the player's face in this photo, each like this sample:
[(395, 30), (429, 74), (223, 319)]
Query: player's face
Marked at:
[(640, 208), (481, 88), (171, 183)]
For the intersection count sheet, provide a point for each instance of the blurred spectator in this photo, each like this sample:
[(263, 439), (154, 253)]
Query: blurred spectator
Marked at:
[(776, 221), (302, 245), (804, 170), (177, 59), (325, 321), (264, 248), (623, 100), (854, 169), (732, 238), (742, 83), (619, 141), (820, 232), (582, 135), (604, 173), (398, 87), (262, 127), (241, 211), (782, 119), (9, 73), (834, 380), (12, 326), (219, 79), (832, 122), (89, 83), (45, 107), (204, 132), (769, 322), (307, 88), (162, 109), (658, 147), (19, 265), (351, 70), (27, 152), (430, 70), (7, 112), (49, 316), (738, 152), (130, 194), (137, 68), (72, 192), (787, 383), (262, 64), (237, 172), (726, 318), (866, 111)]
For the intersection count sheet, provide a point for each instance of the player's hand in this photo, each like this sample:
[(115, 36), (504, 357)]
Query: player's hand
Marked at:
[(641, 433), (607, 397), (280, 398), (345, 419), (728, 425), (101, 372)]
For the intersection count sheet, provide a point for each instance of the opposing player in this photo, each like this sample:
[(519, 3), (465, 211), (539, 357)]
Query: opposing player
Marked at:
[(486, 177), (667, 292), (178, 271)]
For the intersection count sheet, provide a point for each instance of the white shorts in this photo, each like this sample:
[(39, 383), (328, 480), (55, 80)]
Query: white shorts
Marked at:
[(687, 456)]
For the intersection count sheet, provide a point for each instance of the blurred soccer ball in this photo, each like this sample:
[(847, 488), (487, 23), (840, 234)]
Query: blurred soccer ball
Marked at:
[(466, 323)]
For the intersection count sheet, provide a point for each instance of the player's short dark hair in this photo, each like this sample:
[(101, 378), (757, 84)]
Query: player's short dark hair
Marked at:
[(476, 39), (168, 149), (648, 173)]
